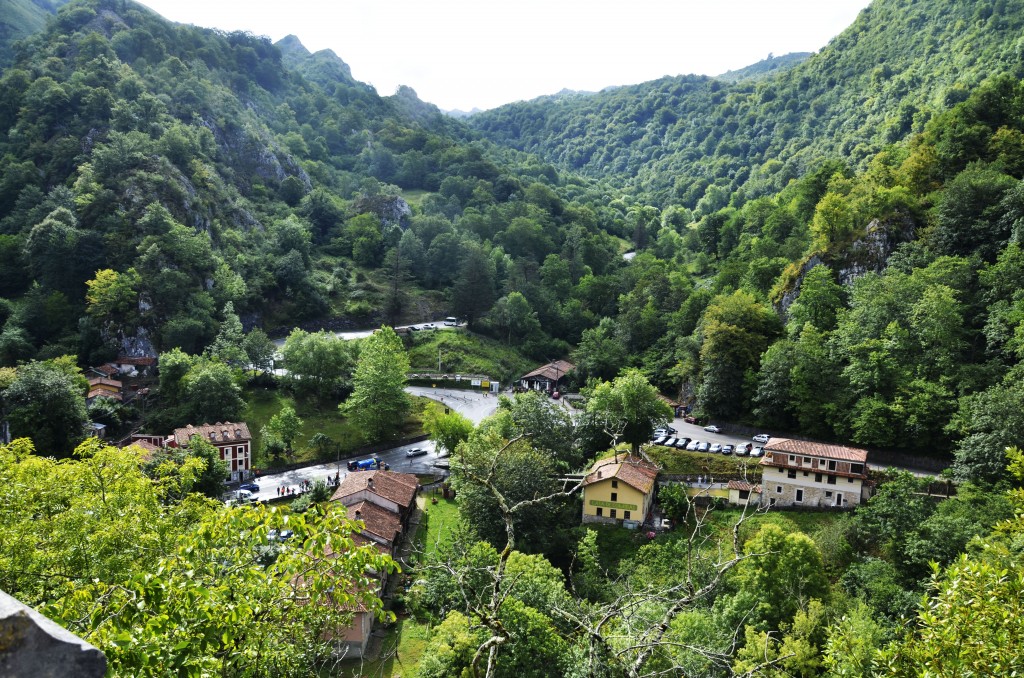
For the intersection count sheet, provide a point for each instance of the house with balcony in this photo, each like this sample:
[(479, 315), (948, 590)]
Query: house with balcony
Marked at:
[(805, 473)]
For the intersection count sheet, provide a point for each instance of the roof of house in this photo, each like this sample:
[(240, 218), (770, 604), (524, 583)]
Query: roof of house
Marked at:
[(634, 471), (742, 485), (104, 381), (554, 370), (215, 433), (106, 369), (812, 449), (147, 449), (397, 487), (378, 520)]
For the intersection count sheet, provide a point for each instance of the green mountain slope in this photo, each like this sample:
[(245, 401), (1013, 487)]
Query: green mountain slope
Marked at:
[(20, 19), (880, 80), (201, 168)]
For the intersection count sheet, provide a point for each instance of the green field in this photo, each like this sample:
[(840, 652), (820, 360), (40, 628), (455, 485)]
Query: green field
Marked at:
[(701, 463), (466, 353)]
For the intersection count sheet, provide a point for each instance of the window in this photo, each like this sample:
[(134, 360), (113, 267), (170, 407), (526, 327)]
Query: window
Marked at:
[(792, 473), (856, 468), (817, 477), (600, 511), (849, 480), (778, 489), (807, 460), (625, 515), (611, 513), (792, 458), (799, 496), (615, 496), (831, 465), (615, 484), (828, 495), (805, 474), (744, 494), (831, 480)]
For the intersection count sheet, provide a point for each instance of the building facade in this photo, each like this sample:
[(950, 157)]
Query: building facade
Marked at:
[(619, 491), (231, 439), (804, 473)]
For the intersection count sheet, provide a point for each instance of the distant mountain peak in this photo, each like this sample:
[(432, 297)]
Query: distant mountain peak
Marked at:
[(291, 44), (768, 66)]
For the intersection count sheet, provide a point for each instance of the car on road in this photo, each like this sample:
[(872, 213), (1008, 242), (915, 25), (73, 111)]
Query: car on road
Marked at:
[(703, 447), (415, 452), (762, 438), (428, 326), (716, 448), (711, 428), (727, 449), (757, 452), (451, 321), (414, 328), (250, 487), (693, 445)]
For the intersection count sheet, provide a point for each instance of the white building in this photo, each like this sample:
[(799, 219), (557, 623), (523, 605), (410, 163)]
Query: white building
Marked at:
[(804, 473)]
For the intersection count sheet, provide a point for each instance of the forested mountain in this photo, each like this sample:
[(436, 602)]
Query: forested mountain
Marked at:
[(773, 65), (154, 173), (701, 142), (20, 19)]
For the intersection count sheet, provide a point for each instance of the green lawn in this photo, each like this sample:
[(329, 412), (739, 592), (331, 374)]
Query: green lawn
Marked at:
[(438, 521), (466, 353), (702, 463), (263, 403)]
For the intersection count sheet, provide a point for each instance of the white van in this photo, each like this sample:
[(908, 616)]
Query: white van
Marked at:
[(451, 321)]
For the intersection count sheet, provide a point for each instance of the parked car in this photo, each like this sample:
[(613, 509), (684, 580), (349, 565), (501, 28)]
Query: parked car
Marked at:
[(711, 428), (757, 452), (762, 438), (692, 445), (716, 448), (659, 440), (670, 442), (682, 443), (251, 487), (451, 321), (415, 452), (703, 447), (665, 431), (428, 326), (744, 450), (415, 328), (727, 449)]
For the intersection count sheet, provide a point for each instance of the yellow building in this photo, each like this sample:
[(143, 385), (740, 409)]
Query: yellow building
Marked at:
[(619, 490)]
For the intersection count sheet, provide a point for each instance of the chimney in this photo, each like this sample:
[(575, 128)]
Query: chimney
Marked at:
[(369, 483), (358, 513)]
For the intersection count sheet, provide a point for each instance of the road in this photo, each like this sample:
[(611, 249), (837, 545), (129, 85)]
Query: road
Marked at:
[(474, 405), (362, 334), (396, 458)]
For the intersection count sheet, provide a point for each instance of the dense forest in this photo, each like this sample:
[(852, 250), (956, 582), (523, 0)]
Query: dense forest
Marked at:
[(827, 245)]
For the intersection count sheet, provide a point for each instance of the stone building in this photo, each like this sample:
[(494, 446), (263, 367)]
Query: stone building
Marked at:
[(804, 473)]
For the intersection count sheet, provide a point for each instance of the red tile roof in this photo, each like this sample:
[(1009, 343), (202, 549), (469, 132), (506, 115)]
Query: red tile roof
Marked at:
[(397, 487), (379, 521), (103, 381), (142, 361), (215, 433), (811, 449), (634, 471), (742, 485)]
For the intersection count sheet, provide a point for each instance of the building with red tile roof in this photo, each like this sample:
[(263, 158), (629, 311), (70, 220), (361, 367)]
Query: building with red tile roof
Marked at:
[(806, 473), (232, 440), (619, 489)]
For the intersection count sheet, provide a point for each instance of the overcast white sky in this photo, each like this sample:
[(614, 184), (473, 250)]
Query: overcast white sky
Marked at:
[(461, 54)]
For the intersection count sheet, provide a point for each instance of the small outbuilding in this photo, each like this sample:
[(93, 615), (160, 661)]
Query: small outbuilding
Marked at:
[(549, 378)]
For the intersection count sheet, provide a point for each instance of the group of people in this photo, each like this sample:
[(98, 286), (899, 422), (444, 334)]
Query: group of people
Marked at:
[(306, 486)]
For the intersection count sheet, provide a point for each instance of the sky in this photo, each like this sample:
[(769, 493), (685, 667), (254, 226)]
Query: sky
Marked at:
[(465, 54)]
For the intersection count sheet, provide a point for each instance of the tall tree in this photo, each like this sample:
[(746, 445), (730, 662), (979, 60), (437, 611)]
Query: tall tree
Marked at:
[(47, 404), (378, 402), (473, 291), (628, 408), (317, 363)]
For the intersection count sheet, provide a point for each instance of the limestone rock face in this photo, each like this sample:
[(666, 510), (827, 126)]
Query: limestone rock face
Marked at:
[(33, 646)]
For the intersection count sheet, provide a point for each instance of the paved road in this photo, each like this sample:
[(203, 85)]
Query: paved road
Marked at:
[(473, 405), (362, 334), (396, 458)]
